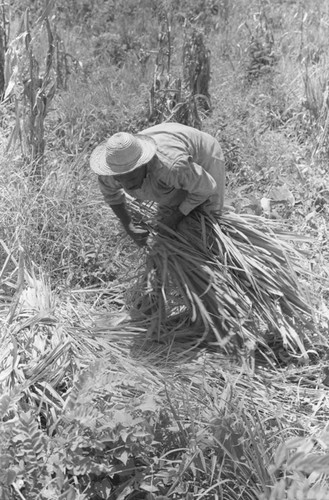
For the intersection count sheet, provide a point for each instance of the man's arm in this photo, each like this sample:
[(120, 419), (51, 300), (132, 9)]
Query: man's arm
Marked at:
[(138, 234), (198, 183), (111, 190), (122, 213), (114, 196)]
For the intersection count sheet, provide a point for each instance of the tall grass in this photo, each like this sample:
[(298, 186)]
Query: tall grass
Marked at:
[(91, 405), (198, 421)]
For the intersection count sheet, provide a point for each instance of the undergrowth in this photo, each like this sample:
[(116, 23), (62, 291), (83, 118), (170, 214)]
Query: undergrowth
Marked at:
[(90, 407)]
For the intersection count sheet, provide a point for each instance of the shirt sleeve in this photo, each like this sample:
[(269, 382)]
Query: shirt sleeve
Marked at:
[(111, 190), (199, 184)]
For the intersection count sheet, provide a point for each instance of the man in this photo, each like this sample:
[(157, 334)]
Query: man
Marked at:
[(179, 167)]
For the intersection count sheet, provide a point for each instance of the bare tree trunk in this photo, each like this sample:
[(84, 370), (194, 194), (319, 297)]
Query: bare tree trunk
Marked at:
[(2, 60)]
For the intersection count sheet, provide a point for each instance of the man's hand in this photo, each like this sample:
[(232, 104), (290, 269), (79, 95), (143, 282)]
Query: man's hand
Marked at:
[(138, 234), (170, 221)]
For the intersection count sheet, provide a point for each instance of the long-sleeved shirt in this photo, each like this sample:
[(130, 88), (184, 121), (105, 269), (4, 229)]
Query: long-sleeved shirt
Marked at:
[(187, 171)]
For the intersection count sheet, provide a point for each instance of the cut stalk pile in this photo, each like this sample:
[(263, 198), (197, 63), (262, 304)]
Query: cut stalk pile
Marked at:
[(237, 277)]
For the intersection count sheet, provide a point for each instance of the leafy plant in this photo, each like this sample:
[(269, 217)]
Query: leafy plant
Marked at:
[(25, 83), (98, 400)]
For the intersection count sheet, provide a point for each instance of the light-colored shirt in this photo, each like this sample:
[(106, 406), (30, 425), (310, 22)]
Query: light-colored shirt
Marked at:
[(187, 171)]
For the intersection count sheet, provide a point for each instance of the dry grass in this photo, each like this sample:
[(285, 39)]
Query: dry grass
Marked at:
[(97, 401), (222, 423), (238, 279)]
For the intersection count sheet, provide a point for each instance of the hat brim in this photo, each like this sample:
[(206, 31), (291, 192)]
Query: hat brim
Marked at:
[(99, 165)]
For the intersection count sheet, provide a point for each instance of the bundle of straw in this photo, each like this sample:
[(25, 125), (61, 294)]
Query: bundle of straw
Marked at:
[(232, 278)]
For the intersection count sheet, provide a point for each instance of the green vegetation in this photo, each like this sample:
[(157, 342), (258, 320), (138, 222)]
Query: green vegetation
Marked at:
[(97, 400)]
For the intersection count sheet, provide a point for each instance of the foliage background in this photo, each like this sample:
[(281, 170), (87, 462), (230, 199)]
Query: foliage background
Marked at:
[(88, 409)]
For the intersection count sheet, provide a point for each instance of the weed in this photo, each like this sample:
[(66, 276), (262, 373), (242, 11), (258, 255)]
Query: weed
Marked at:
[(92, 404), (32, 91), (261, 48)]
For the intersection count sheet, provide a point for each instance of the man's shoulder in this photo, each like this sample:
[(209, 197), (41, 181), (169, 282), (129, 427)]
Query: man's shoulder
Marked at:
[(167, 127)]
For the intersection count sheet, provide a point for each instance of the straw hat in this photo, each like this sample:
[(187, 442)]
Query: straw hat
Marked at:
[(122, 153)]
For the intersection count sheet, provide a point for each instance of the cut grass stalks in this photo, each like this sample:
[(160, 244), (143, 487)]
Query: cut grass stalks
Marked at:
[(78, 377), (237, 277)]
